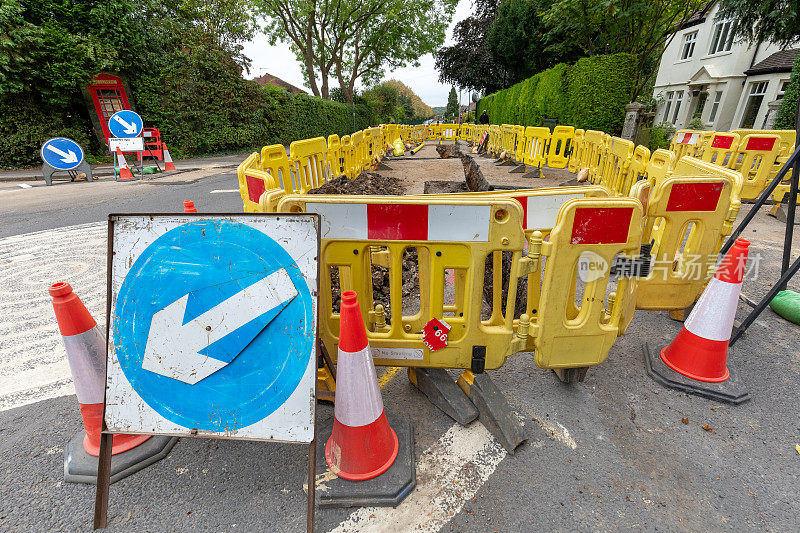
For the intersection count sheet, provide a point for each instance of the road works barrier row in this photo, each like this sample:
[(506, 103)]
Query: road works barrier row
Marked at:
[(571, 294)]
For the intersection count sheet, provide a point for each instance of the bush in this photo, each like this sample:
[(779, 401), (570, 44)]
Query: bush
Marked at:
[(696, 124), (786, 113), (591, 94), (661, 136)]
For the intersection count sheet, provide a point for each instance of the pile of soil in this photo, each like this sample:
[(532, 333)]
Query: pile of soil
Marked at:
[(370, 183)]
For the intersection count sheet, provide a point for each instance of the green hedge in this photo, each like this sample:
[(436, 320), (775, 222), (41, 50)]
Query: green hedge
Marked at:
[(201, 105), (591, 94), (788, 109)]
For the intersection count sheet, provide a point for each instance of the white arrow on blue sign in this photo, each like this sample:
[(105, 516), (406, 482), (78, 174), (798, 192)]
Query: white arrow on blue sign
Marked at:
[(125, 123), (62, 153)]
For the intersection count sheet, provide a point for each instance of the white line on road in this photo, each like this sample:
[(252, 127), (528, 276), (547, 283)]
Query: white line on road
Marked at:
[(33, 363), (25, 186), (223, 190), (449, 473)]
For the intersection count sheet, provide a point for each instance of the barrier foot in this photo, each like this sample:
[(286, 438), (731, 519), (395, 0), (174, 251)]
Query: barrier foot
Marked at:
[(780, 212), (680, 314), (520, 169), (729, 391), (80, 467), (506, 163), (386, 490), (493, 409), (535, 173), (437, 385), (571, 375)]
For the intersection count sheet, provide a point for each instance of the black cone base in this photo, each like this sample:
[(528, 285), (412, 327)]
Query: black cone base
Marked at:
[(80, 467), (386, 490), (729, 391)]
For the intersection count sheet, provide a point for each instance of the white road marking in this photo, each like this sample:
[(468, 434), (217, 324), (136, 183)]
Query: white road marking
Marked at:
[(33, 363), (555, 430), (215, 191), (24, 186), (449, 473)]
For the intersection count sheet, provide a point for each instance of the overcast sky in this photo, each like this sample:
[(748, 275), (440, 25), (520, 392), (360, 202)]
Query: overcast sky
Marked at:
[(279, 61)]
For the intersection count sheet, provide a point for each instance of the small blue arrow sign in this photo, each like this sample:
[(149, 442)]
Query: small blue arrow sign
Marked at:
[(125, 123), (62, 153)]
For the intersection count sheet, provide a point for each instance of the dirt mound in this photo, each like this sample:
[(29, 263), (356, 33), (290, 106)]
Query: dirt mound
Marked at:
[(370, 183)]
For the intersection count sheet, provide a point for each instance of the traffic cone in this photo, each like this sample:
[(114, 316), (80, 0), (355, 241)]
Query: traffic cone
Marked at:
[(169, 166), (700, 351), (697, 359), (124, 170), (86, 353), (362, 445), (188, 207)]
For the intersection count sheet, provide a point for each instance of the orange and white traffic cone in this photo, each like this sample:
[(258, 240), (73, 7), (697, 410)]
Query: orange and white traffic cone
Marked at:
[(169, 166), (362, 445), (700, 350), (124, 170), (188, 207), (86, 352)]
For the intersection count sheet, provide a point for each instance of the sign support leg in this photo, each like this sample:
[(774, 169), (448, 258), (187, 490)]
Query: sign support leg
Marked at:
[(103, 480)]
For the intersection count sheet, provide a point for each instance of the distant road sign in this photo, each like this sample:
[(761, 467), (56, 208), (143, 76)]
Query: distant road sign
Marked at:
[(224, 341), (125, 123), (126, 144), (62, 153)]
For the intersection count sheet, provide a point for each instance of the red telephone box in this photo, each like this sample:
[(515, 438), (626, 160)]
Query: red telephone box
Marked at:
[(109, 96)]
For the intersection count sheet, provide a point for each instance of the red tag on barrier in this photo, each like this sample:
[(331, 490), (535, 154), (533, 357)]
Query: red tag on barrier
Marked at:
[(255, 188), (722, 141), (434, 334), (694, 197), (686, 138), (598, 225), (406, 222), (523, 201), (760, 143)]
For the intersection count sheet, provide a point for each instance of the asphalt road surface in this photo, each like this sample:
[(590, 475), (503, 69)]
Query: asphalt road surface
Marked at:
[(616, 452)]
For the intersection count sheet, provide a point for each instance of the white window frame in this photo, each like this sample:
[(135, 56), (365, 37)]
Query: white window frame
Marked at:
[(721, 37), (712, 116), (755, 86), (678, 102), (782, 86), (687, 45), (670, 97)]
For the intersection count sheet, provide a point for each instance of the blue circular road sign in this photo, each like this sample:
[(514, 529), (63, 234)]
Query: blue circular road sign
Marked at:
[(200, 269), (125, 123), (62, 153)]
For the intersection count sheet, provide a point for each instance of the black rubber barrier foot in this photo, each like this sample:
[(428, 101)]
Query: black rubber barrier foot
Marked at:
[(729, 391), (520, 169), (506, 163), (493, 410), (386, 490), (442, 391), (535, 173), (80, 467)]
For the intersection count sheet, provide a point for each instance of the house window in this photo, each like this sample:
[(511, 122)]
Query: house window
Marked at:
[(715, 106), (722, 38), (678, 100), (688, 45), (701, 104), (757, 91), (782, 86), (670, 98)]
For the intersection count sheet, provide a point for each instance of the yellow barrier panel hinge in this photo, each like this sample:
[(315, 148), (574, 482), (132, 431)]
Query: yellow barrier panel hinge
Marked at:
[(520, 340), (380, 257), (530, 263)]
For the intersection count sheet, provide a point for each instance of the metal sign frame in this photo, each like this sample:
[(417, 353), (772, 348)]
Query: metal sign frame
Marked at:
[(104, 465)]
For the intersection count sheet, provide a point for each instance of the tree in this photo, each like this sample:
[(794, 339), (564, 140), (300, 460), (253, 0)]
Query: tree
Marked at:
[(451, 111), (468, 63), (356, 40), (383, 99), (638, 27), (407, 105)]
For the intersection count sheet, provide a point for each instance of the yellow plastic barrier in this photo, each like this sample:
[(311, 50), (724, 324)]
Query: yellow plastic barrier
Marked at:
[(590, 234), (518, 153), (614, 174), (261, 174), (308, 161), (577, 154), (659, 166), (362, 234), (685, 217), (508, 139), (356, 154), (636, 170), (560, 143), (536, 140), (493, 146), (335, 158), (686, 142), (390, 133), (594, 152), (448, 132), (783, 187), (721, 148), (755, 159)]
